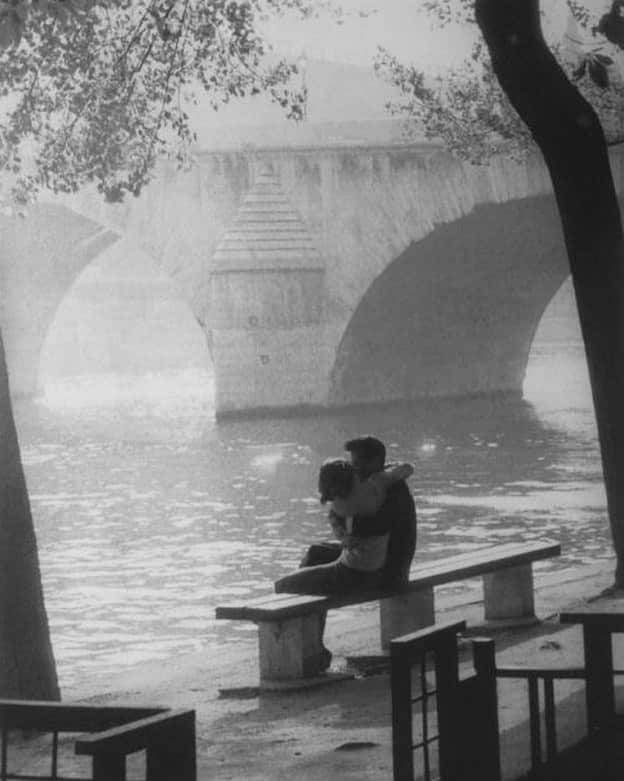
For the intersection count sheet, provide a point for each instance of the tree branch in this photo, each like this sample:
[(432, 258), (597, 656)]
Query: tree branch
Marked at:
[(562, 122)]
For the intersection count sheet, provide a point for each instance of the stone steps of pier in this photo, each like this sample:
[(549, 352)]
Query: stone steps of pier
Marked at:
[(271, 246), (266, 208), (264, 220), (268, 196), (267, 233), (258, 260)]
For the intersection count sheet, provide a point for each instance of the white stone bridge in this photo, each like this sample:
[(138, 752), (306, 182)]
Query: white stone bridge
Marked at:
[(321, 276)]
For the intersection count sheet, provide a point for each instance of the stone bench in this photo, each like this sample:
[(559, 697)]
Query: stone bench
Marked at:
[(288, 624)]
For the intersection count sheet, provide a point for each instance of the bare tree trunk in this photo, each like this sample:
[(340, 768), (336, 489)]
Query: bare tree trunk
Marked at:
[(27, 667), (569, 134)]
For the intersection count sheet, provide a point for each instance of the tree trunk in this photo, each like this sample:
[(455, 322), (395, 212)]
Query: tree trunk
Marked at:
[(27, 667), (569, 134)]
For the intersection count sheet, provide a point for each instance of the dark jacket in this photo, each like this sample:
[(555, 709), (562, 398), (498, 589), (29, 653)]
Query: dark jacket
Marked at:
[(400, 507), (396, 516)]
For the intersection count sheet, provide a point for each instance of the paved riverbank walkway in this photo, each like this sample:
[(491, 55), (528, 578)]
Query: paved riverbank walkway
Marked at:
[(343, 730)]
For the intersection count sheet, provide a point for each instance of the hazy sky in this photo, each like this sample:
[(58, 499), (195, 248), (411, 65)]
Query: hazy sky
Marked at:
[(399, 25)]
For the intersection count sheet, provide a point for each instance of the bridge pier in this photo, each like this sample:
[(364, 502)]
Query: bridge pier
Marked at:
[(258, 370), (271, 347)]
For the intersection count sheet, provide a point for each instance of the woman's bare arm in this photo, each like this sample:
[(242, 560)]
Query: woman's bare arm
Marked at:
[(368, 495)]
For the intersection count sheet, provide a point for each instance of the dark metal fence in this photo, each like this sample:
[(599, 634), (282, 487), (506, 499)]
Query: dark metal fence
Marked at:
[(166, 736), (543, 720), (548, 676), (466, 711)]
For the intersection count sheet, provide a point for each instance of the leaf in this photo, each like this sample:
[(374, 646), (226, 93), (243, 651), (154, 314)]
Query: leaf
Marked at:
[(60, 11), (611, 24), (579, 72), (598, 74), (10, 29)]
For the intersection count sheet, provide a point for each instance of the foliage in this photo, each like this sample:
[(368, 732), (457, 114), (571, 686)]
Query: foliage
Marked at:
[(96, 90), (611, 24), (468, 110)]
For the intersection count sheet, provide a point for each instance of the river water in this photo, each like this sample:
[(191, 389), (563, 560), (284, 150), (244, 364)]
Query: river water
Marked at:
[(149, 513)]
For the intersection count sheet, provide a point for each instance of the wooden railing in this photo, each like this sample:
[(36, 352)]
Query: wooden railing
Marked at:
[(166, 736)]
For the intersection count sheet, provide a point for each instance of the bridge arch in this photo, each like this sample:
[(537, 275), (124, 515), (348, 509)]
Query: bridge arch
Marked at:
[(123, 331), (44, 255), (455, 313)]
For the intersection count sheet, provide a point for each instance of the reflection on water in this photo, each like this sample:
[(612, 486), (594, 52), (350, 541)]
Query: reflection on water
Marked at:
[(148, 513)]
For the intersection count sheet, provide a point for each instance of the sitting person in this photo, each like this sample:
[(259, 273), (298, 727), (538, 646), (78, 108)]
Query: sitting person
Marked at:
[(362, 556), (397, 515), (358, 500), (358, 561), (350, 493)]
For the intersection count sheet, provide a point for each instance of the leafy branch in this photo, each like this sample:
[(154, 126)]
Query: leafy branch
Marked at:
[(93, 91), (469, 112)]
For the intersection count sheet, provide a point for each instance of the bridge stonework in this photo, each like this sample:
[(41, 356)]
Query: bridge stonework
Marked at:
[(321, 276)]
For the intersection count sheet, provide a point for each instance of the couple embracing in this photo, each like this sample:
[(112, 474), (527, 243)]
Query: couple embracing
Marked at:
[(373, 518)]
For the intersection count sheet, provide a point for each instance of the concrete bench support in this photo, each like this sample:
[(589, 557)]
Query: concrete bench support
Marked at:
[(405, 613), (290, 649), (508, 593)]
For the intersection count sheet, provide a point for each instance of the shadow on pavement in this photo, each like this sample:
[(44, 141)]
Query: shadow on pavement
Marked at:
[(600, 758)]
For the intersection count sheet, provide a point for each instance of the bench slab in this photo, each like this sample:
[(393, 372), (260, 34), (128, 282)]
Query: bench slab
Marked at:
[(437, 572), (289, 632)]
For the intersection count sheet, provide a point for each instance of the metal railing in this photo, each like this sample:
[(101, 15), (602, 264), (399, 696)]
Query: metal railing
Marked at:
[(466, 710), (166, 736), (548, 676)]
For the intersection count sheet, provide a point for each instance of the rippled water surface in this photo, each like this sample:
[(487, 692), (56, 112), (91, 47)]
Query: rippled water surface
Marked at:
[(148, 513)]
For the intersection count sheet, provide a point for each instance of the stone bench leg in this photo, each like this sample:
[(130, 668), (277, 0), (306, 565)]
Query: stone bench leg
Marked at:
[(405, 613), (289, 649), (508, 593)]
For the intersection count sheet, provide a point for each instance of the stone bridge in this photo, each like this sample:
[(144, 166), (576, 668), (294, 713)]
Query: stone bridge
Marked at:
[(321, 276)]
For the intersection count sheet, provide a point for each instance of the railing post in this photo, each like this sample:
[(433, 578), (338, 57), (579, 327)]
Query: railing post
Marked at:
[(550, 718), (4, 751), (599, 685), (534, 722), (447, 680), (441, 640), (174, 757), (484, 659), (401, 690)]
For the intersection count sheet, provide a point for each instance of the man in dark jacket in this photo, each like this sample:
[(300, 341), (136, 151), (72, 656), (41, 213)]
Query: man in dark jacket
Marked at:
[(397, 515)]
